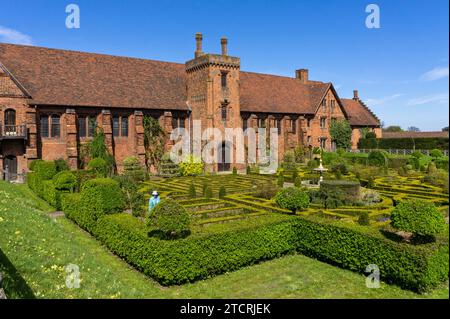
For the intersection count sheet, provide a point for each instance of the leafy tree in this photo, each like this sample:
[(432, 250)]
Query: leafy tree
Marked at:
[(154, 140), (341, 133), (420, 217), (445, 129), (170, 218), (97, 148), (393, 128), (436, 153), (292, 198), (99, 166), (413, 129), (134, 199)]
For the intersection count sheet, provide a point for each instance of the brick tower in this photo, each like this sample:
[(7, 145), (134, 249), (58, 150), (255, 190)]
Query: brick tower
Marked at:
[(213, 97)]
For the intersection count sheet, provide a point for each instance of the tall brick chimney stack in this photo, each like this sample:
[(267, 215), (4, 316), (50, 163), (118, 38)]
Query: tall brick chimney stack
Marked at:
[(355, 95), (198, 41), (302, 75), (224, 43)]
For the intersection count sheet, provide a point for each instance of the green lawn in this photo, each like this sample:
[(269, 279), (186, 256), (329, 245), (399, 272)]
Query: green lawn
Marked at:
[(34, 249)]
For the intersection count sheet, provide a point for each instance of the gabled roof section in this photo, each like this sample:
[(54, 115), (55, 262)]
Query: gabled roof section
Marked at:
[(359, 114), (278, 94), (70, 78)]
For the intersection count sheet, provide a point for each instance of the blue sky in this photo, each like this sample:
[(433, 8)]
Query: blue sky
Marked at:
[(401, 69)]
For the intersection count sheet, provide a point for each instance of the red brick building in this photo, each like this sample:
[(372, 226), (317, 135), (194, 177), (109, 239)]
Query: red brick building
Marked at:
[(51, 101)]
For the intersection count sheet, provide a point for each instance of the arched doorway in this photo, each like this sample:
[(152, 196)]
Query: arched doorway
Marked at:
[(223, 157), (10, 167)]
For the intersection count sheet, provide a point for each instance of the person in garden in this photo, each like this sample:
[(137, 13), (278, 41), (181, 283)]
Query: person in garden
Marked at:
[(154, 200)]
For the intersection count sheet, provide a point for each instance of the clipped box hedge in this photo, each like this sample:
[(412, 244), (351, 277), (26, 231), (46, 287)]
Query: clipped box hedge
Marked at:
[(425, 143), (196, 257)]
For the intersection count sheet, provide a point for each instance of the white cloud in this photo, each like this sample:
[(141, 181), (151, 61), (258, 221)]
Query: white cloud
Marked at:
[(13, 36), (435, 74), (383, 100), (441, 98)]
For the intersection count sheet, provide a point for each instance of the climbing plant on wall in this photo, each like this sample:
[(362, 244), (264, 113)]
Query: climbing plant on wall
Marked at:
[(154, 140)]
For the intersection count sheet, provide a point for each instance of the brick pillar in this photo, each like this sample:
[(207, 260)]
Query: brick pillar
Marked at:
[(139, 136), (31, 146), (107, 129), (71, 138)]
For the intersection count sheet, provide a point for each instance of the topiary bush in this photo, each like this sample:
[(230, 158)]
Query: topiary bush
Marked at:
[(170, 219), (363, 219), (99, 166), (65, 180), (45, 170), (191, 166), (436, 153), (298, 181), (208, 192), (133, 168), (33, 163), (280, 180), (192, 192), (420, 217), (266, 189), (292, 198), (222, 192), (378, 158), (61, 165), (234, 171), (99, 196)]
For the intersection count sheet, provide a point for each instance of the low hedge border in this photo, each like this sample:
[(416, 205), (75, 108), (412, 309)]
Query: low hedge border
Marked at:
[(353, 247)]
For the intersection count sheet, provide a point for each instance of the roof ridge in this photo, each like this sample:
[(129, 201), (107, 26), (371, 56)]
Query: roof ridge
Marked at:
[(89, 53)]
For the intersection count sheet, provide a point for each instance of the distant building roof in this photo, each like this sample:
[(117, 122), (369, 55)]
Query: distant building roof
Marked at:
[(414, 134)]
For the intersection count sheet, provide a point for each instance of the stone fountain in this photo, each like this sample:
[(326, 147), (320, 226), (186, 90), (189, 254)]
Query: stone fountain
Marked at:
[(320, 169)]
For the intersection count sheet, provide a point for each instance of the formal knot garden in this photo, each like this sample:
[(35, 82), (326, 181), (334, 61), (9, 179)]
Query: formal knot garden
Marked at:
[(370, 209)]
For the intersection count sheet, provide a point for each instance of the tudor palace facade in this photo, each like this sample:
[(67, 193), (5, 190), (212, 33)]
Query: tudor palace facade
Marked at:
[(52, 101)]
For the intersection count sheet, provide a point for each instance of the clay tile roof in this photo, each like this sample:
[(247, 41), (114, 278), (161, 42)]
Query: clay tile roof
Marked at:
[(60, 77), (414, 134), (272, 94), (359, 114)]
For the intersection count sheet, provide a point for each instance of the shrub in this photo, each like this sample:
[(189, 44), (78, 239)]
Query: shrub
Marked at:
[(280, 180), (298, 181), (436, 153), (65, 180), (371, 135), (134, 199), (82, 176), (349, 246), (99, 196), (45, 170), (191, 166), (99, 166), (266, 190), (377, 158), (133, 168), (51, 194), (417, 154), (294, 174), (363, 219), (248, 170), (192, 192), (292, 198), (340, 168), (208, 192), (341, 133), (222, 192), (299, 154), (170, 218), (234, 171), (419, 217), (404, 143), (33, 163), (313, 164), (370, 182), (61, 165), (349, 189), (431, 169)]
